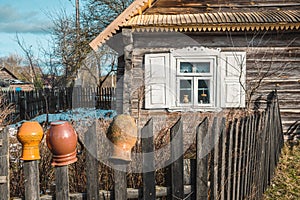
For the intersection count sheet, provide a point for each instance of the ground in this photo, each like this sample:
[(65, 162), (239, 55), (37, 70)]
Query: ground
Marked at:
[(286, 182)]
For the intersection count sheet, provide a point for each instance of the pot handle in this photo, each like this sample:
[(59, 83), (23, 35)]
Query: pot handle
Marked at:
[(79, 152)]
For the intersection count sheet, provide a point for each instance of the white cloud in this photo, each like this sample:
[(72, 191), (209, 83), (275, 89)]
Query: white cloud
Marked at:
[(13, 20)]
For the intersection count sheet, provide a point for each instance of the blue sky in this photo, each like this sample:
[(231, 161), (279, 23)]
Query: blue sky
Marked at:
[(29, 19)]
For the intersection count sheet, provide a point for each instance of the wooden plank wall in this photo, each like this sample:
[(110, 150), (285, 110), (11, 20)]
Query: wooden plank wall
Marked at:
[(284, 69)]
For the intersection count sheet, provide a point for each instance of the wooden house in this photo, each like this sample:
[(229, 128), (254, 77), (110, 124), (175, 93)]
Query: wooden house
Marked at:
[(206, 56), (11, 82)]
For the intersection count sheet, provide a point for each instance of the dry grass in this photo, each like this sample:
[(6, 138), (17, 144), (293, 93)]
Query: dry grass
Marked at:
[(286, 182)]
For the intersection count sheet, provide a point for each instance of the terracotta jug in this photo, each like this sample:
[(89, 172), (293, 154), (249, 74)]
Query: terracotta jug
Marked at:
[(123, 134), (30, 135), (61, 139)]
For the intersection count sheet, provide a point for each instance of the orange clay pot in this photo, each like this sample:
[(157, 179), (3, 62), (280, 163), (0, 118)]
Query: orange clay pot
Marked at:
[(30, 135), (123, 134), (61, 139)]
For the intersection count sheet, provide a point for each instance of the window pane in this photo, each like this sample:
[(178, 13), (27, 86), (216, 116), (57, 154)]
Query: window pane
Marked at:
[(203, 92), (194, 67), (186, 67), (185, 91)]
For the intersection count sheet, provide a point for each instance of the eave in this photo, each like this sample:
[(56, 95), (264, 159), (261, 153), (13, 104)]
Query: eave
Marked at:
[(135, 18), (221, 21), (137, 7)]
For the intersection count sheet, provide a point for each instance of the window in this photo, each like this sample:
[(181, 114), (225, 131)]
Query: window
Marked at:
[(195, 82), (198, 78)]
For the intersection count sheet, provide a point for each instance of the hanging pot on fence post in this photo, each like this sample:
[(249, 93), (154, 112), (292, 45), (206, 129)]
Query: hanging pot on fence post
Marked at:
[(61, 140), (30, 135), (123, 134)]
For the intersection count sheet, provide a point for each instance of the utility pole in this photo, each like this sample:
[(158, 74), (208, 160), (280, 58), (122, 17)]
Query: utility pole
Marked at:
[(77, 19)]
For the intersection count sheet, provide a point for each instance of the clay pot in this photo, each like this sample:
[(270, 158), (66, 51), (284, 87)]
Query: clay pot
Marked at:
[(61, 140), (30, 135), (123, 134)]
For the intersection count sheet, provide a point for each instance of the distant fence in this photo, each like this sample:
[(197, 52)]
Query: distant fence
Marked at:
[(235, 159), (28, 104)]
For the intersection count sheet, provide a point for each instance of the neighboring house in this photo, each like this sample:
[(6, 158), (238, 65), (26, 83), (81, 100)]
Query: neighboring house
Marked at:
[(109, 81), (206, 56), (8, 81)]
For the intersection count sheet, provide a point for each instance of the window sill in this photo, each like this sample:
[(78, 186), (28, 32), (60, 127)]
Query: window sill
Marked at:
[(194, 109)]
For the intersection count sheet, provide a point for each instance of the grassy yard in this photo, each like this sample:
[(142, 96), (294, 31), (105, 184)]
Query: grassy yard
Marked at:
[(286, 182)]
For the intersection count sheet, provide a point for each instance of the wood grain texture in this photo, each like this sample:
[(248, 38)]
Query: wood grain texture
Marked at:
[(120, 184), (149, 191), (202, 161), (177, 187), (62, 183), (32, 180), (92, 165), (4, 164)]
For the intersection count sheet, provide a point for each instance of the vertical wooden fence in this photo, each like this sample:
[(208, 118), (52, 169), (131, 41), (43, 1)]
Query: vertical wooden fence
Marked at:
[(235, 159), (29, 104)]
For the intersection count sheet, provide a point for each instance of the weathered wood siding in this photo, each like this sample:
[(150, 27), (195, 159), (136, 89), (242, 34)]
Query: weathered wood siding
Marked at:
[(274, 56), (284, 75)]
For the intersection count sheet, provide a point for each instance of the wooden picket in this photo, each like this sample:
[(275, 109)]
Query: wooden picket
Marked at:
[(4, 164)]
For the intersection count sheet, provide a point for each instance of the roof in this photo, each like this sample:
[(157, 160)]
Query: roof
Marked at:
[(193, 15), (138, 6), (218, 21), (6, 74)]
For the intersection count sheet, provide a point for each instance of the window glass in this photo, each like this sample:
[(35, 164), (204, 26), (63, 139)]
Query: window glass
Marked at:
[(203, 91), (194, 67), (185, 91)]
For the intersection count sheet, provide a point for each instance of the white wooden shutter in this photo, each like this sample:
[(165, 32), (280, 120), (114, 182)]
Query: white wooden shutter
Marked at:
[(233, 78), (157, 80)]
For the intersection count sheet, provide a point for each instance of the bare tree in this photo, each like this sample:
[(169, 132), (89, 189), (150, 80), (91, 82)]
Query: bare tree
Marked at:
[(35, 72), (263, 59), (71, 38)]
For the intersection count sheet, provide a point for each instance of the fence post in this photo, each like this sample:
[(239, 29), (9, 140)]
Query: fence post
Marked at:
[(216, 156), (120, 186), (177, 156), (30, 135), (92, 174), (123, 134), (262, 152), (224, 162), (23, 107), (231, 155), (4, 167), (62, 183), (148, 162), (32, 180), (202, 161), (62, 141), (241, 157)]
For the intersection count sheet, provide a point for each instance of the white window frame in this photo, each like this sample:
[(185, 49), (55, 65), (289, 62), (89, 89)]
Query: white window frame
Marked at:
[(226, 88), (193, 60), (195, 77)]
